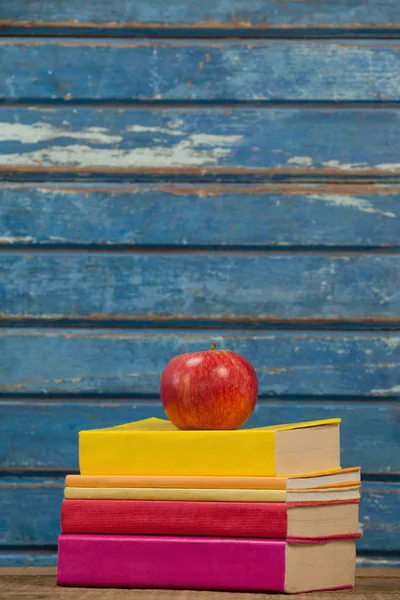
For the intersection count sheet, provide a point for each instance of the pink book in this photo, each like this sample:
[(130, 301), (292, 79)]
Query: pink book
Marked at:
[(204, 563)]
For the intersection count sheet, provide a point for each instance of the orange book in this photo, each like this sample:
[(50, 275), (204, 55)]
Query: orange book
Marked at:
[(336, 478)]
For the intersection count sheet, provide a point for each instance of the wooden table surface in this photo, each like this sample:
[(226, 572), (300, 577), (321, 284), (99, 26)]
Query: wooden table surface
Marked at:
[(39, 584)]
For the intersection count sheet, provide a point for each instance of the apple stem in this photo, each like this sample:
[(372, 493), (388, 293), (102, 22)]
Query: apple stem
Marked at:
[(213, 345)]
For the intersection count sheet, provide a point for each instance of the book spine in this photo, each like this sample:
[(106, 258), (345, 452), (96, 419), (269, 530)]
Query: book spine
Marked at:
[(166, 494), (183, 482), (212, 453), (220, 519), (171, 562)]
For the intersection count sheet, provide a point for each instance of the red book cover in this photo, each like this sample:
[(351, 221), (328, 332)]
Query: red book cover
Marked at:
[(157, 517)]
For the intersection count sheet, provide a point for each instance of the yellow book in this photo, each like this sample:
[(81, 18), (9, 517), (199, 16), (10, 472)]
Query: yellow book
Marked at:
[(327, 479), (156, 447), (344, 494), (200, 495)]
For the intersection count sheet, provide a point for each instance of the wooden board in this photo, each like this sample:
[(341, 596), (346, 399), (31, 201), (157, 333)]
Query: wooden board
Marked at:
[(369, 430), (192, 286), (129, 107), (28, 561), (200, 216), (200, 141), (198, 70), (30, 509), (114, 362), (39, 584), (226, 14)]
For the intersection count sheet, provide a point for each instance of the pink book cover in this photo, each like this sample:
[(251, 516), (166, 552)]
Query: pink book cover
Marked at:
[(174, 562)]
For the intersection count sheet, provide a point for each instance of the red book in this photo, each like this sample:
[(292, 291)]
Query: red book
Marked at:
[(219, 519)]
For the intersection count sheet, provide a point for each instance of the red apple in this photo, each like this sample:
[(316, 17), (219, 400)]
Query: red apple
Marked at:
[(213, 389)]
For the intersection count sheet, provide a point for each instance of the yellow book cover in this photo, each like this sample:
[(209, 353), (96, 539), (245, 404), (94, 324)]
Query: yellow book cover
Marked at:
[(156, 447), (326, 479), (342, 494), (190, 495)]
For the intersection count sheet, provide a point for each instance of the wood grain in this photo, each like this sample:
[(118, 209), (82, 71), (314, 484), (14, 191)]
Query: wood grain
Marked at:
[(40, 587), (312, 141), (242, 287), (370, 431), (30, 509), (307, 364), (26, 562), (35, 586), (226, 14), (202, 216), (198, 70)]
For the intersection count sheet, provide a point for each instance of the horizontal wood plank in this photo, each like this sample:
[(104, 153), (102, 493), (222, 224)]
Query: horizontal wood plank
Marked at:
[(200, 141), (39, 585), (226, 14), (28, 559), (79, 361), (369, 430), (33, 562), (210, 216), (197, 70), (31, 508), (201, 286)]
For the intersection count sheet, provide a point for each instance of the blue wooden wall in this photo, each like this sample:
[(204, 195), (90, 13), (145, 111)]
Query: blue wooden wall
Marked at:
[(173, 173)]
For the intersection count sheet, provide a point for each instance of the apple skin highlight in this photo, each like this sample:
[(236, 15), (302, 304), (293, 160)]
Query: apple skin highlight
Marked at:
[(214, 389)]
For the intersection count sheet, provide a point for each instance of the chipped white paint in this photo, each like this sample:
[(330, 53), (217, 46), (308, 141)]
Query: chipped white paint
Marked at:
[(43, 132), (392, 167), (143, 129), (204, 139), (52, 190), (335, 164), (392, 342), (360, 204), (301, 161), (395, 389), (12, 239), (184, 154)]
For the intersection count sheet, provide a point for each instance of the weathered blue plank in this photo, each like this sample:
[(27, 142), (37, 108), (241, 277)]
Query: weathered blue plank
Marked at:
[(379, 516), (164, 286), (28, 506), (374, 561), (226, 14), (30, 513), (28, 558), (43, 558), (202, 141), (79, 361), (227, 70), (215, 216), (370, 431)]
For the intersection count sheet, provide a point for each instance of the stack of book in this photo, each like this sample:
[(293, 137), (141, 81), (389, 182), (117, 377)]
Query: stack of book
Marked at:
[(265, 509)]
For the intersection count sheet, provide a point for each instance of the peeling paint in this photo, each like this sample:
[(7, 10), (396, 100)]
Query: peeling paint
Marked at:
[(336, 164), (301, 161), (43, 132), (185, 153), (392, 342), (395, 389), (392, 167), (13, 239), (204, 139), (360, 204), (143, 129)]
